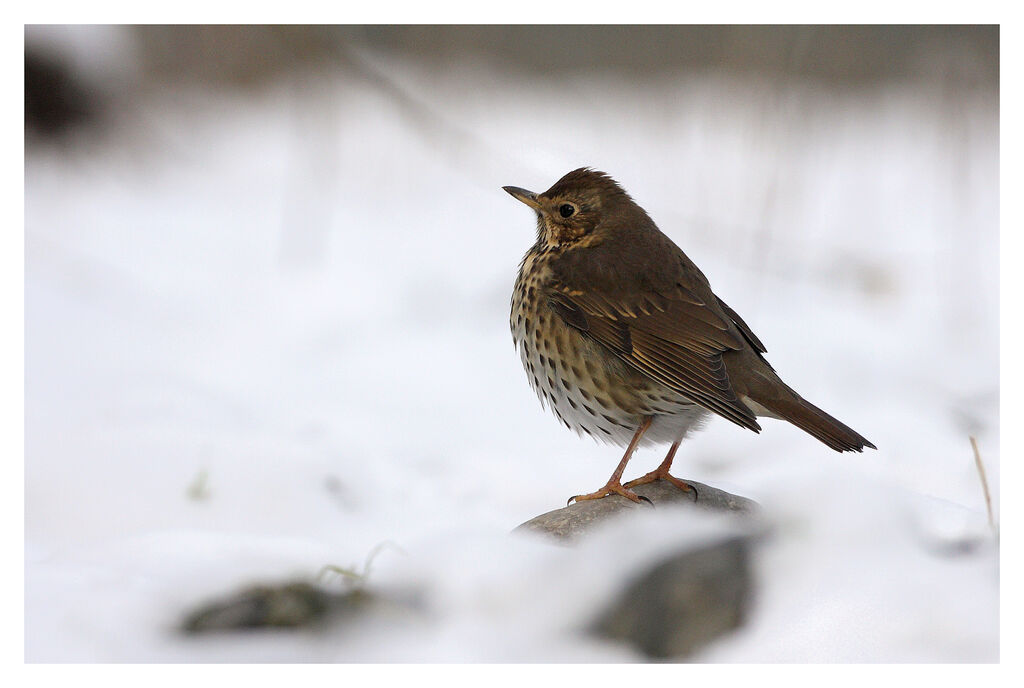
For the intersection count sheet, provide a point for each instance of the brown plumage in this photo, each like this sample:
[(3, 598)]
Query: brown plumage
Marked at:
[(622, 336)]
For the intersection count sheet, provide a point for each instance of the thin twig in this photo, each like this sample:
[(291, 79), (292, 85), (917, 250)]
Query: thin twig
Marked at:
[(984, 481)]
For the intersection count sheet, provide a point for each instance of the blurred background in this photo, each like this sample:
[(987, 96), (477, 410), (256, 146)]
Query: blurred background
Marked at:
[(267, 282)]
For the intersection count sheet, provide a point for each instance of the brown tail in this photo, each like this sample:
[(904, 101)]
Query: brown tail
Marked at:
[(814, 421)]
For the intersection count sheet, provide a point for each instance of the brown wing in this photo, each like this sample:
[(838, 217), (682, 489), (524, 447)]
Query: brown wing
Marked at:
[(748, 334), (643, 299), (678, 345)]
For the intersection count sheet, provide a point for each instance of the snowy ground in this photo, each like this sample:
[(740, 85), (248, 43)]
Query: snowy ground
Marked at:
[(267, 333)]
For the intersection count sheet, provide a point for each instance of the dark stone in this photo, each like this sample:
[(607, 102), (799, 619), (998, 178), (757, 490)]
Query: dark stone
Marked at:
[(571, 522), (683, 602), (289, 605), (688, 598)]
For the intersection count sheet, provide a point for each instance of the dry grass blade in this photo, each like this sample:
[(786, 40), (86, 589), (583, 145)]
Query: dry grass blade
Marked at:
[(984, 481)]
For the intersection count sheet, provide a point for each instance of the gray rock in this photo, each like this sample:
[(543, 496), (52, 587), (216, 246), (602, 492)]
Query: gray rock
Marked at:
[(293, 605), (688, 598), (575, 520), (683, 602)]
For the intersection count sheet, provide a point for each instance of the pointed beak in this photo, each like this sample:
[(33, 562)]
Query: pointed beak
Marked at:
[(527, 197)]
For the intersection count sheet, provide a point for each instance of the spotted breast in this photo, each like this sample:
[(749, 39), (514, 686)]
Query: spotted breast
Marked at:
[(589, 391)]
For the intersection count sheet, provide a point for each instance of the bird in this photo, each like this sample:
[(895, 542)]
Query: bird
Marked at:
[(623, 339)]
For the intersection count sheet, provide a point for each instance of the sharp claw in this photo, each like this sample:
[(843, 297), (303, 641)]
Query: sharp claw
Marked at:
[(684, 486), (646, 500), (571, 499)]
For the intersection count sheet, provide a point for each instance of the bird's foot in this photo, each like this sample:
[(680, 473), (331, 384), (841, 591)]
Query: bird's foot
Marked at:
[(660, 474), (609, 489)]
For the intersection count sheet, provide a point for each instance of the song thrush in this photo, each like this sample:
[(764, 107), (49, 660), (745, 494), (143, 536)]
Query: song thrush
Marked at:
[(622, 337)]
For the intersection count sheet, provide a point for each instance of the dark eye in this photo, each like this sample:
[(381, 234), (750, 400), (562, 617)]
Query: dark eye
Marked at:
[(566, 210)]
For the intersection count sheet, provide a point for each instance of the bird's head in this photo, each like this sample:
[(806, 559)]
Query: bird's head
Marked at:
[(570, 211)]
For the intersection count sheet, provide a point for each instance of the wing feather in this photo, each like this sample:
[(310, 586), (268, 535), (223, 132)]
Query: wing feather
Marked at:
[(670, 345)]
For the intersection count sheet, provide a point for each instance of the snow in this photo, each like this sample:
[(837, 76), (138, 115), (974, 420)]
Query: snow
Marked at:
[(266, 333)]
